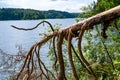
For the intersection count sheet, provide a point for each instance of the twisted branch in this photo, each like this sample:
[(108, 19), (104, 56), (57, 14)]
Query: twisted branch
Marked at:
[(34, 27)]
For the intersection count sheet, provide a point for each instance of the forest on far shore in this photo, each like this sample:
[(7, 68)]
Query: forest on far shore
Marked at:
[(30, 14)]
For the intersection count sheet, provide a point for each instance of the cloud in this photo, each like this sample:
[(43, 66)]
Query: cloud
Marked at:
[(59, 0), (63, 5), (53, 0)]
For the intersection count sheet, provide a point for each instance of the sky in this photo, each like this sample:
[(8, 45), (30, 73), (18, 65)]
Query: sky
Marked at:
[(62, 5)]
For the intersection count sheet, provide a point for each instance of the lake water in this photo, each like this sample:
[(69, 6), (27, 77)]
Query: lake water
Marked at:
[(10, 37)]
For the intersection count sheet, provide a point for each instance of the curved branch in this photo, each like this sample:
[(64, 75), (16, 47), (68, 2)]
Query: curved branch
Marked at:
[(35, 26), (60, 57), (70, 34), (25, 62), (54, 64), (80, 51), (79, 58)]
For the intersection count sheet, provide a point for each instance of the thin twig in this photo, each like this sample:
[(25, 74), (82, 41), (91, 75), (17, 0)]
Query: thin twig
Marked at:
[(79, 58), (105, 47), (55, 62)]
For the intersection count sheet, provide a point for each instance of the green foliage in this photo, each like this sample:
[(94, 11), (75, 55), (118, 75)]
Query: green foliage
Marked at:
[(96, 53), (99, 6), (99, 51), (23, 14), (95, 49)]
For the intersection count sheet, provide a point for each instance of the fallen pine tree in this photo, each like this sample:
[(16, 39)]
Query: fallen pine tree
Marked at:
[(68, 33)]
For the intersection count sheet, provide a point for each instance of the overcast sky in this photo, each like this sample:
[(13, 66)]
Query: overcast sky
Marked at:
[(63, 5)]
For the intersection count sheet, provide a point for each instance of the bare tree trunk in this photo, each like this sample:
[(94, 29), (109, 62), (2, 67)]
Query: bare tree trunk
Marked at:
[(96, 19)]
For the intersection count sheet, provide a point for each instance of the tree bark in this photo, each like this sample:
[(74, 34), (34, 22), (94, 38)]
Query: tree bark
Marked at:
[(96, 19)]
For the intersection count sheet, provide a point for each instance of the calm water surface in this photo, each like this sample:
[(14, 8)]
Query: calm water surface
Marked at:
[(10, 37)]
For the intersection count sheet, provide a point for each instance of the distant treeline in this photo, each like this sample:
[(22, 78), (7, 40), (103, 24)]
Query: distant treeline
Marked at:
[(30, 14)]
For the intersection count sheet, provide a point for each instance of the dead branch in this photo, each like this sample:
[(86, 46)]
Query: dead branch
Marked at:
[(35, 26), (80, 50), (69, 33), (60, 56)]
